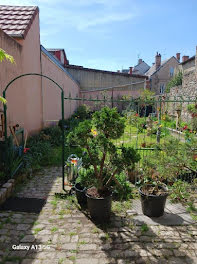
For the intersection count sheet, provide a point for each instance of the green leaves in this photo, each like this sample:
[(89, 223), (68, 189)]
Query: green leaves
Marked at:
[(96, 136), (109, 122), (5, 56), (3, 100), (177, 80)]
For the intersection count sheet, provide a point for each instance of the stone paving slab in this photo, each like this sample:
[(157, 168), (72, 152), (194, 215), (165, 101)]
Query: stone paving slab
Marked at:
[(63, 234), (174, 214)]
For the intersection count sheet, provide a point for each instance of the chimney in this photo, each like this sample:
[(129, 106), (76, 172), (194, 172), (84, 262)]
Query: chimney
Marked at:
[(178, 56), (184, 58), (140, 61), (130, 70), (158, 60)]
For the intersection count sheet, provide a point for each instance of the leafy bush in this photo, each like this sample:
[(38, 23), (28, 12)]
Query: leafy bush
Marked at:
[(124, 190), (42, 148), (192, 108), (82, 112), (86, 177), (52, 134), (179, 191), (96, 137), (175, 81)]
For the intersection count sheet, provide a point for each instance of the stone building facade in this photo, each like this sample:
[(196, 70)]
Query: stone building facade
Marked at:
[(187, 91), (161, 73)]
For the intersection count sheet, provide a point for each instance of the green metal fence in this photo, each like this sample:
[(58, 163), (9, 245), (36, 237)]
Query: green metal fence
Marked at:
[(151, 123)]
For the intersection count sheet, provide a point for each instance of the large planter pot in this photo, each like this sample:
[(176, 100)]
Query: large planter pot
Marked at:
[(153, 205), (80, 194), (100, 208)]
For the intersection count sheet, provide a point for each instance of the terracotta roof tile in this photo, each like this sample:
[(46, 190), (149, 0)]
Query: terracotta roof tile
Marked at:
[(16, 20)]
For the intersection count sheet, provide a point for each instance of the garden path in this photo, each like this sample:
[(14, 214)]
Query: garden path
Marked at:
[(63, 234)]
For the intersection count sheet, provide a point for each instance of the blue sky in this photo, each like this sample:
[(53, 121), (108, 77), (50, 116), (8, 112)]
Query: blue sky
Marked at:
[(113, 34)]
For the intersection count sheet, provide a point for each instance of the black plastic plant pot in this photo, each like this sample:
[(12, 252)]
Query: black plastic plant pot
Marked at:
[(153, 205), (99, 208), (81, 196)]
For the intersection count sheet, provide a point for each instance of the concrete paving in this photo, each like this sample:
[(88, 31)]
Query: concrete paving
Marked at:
[(62, 233)]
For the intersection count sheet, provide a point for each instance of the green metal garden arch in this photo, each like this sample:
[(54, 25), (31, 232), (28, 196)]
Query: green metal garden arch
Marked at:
[(62, 110)]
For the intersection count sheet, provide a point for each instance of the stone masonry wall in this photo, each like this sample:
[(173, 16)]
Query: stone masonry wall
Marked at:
[(186, 91)]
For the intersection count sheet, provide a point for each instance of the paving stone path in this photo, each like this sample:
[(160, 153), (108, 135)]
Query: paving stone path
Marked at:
[(61, 233)]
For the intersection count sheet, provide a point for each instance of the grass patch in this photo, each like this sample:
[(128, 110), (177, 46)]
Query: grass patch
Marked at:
[(72, 234), (95, 230), (37, 230), (54, 229), (82, 243), (121, 207), (72, 258), (144, 228)]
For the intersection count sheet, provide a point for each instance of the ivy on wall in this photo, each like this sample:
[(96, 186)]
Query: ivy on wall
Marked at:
[(175, 81)]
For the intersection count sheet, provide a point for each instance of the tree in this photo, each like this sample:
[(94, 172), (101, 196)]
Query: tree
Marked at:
[(97, 137), (5, 56)]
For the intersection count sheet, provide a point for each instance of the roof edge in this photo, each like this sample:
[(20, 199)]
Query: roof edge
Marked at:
[(164, 64), (77, 67), (190, 59), (56, 61)]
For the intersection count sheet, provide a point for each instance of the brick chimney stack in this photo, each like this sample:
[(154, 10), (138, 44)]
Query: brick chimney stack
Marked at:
[(158, 60), (130, 70), (184, 58), (140, 61), (178, 56)]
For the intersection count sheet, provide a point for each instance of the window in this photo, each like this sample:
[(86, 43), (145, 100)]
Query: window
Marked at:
[(162, 88), (171, 71)]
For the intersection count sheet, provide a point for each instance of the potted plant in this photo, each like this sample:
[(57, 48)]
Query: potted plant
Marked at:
[(164, 166), (103, 157), (153, 194), (159, 168)]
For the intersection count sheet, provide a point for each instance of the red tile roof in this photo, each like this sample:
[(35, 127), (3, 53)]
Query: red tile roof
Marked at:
[(16, 20)]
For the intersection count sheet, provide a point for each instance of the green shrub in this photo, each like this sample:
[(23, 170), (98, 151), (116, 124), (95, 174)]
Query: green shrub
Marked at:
[(124, 190), (82, 112), (85, 177), (179, 191), (96, 138), (175, 81), (52, 134)]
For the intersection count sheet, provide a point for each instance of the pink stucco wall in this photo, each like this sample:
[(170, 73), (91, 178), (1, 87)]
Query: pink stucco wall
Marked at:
[(32, 84), (15, 93), (52, 94), (33, 100)]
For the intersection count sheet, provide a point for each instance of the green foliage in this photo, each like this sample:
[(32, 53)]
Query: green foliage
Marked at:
[(109, 123), (175, 81), (144, 228), (170, 161), (192, 108), (82, 112), (86, 177), (5, 56), (3, 100), (44, 148), (96, 138), (124, 190), (52, 134), (179, 192), (147, 96)]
